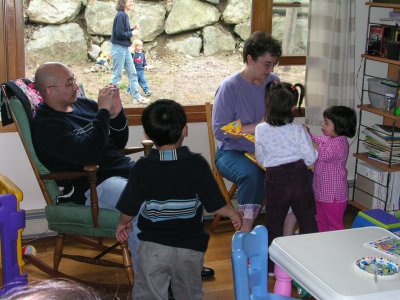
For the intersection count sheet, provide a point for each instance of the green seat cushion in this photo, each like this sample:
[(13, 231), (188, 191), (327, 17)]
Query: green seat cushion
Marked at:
[(72, 218)]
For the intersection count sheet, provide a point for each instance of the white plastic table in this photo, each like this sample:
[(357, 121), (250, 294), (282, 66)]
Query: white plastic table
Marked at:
[(324, 264)]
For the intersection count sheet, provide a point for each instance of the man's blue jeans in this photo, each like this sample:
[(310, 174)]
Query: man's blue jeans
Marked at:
[(249, 177), (122, 58), (109, 192)]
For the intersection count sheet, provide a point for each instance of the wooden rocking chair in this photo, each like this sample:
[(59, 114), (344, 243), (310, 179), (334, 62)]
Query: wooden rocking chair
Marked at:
[(228, 194), (85, 224)]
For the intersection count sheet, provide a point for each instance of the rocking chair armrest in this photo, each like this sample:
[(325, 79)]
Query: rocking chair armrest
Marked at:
[(89, 171), (90, 168), (131, 150), (71, 175), (147, 145)]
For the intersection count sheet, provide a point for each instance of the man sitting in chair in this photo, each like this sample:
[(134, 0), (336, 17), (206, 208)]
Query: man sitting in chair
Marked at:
[(70, 132)]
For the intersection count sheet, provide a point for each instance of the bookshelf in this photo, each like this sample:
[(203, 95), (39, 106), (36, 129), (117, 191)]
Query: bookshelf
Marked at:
[(373, 179)]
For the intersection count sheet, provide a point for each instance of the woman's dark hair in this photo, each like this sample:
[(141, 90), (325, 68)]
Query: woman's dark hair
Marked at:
[(163, 121), (261, 43), (344, 120), (120, 6), (279, 103)]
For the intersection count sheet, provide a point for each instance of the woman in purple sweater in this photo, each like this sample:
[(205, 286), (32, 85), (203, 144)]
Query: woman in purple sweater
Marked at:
[(241, 96)]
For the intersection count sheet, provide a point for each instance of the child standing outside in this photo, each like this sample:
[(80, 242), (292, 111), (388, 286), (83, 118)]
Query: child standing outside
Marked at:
[(330, 175), (139, 59), (168, 190), (285, 148)]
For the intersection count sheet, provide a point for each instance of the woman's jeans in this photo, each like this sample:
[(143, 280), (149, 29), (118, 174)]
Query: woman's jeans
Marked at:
[(122, 58), (237, 168)]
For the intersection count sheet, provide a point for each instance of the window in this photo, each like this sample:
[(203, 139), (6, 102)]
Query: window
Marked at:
[(286, 20)]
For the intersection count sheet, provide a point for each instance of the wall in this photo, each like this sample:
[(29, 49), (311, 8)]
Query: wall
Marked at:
[(15, 164)]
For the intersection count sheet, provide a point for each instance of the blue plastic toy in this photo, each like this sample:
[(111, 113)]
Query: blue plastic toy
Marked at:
[(376, 217), (250, 265)]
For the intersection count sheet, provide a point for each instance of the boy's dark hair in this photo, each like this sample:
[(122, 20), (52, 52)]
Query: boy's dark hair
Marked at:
[(344, 120), (120, 6), (279, 103), (260, 43), (163, 121)]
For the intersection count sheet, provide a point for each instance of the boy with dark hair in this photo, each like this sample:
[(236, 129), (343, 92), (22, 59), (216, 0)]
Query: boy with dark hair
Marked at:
[(168, 189)]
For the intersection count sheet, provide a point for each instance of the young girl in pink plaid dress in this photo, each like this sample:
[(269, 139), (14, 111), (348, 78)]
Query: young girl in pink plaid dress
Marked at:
[(330, 175)]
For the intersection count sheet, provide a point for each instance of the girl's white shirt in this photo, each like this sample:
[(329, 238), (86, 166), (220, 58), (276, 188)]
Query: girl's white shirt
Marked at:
[(278, 145)]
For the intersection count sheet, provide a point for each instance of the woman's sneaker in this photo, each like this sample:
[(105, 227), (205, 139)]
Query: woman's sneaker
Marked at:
[(148, 93), (140, 100)]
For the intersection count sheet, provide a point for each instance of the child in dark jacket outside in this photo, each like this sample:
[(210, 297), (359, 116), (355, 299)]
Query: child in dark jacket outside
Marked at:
[(139, 59), (168, 190)]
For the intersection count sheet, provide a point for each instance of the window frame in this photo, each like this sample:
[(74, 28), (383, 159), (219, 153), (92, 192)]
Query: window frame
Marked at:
[(261, 19), (12, 51)]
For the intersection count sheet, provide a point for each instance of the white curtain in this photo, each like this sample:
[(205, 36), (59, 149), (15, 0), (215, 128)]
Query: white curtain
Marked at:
[(330, 57)]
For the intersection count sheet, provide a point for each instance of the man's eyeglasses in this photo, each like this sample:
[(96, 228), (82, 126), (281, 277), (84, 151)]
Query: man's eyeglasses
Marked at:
[(70, 84)]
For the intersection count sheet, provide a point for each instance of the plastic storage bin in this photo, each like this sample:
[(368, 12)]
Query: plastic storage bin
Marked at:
[(377, 88)]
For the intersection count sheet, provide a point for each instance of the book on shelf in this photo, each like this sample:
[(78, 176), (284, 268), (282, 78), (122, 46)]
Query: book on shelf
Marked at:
[(384, 156), (394, 161), (372, 135), (388, 147), (382, 152), (381, 135), (380, 148), (386, 131)]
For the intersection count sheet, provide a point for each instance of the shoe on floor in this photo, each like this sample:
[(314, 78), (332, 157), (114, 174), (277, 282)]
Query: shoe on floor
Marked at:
[(141, 100), (128, 92), (207, 273), (148, 93)]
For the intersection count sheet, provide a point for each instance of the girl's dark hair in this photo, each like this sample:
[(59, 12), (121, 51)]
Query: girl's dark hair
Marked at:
[(298, 91), (279, 103), (163, 121), (120, 6), (261, 43), (344, 120)]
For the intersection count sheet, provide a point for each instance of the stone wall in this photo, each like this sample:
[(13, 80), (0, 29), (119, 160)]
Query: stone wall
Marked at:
[(74, 30)]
